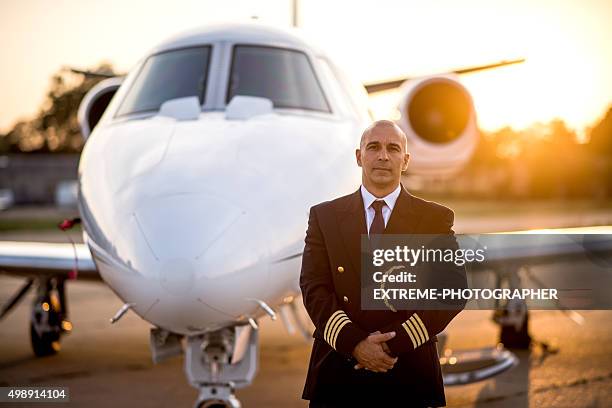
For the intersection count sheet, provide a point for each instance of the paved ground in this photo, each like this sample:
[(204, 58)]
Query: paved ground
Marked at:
[(106, 365), (110, 365)]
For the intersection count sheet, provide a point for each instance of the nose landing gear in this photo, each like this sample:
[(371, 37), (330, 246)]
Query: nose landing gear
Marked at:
[(218, 362)]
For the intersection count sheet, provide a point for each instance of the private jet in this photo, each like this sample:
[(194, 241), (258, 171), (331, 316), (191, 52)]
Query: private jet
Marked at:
[(194, 186)]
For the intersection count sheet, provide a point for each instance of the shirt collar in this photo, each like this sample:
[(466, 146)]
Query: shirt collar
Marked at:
[(369, 198)]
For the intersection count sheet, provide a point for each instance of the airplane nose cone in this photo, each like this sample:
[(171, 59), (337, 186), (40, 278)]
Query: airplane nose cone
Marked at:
[(177, 276), (202, 248), (184, 225)]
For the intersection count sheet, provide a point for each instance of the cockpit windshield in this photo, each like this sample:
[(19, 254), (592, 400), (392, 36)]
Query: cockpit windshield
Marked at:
[(284, 76), (168, 75)]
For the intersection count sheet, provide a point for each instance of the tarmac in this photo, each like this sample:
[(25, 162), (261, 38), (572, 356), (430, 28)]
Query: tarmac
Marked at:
[(569, 365)]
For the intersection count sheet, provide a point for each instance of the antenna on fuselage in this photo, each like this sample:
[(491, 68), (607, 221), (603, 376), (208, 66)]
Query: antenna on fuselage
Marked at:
[(295, 8)]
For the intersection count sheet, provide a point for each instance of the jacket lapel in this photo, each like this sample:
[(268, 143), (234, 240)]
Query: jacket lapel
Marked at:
[(405, 217), (352, 224)]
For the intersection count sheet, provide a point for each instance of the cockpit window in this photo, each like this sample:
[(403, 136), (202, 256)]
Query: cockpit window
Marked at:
[(168, 75), (286, 77)]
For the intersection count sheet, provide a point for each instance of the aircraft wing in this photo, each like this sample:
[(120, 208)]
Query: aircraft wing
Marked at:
[(544, 246), (396, 83), (32, 259), (93, 74), (35, 259)]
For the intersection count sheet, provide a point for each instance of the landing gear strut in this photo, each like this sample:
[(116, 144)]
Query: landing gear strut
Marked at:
[(218, 362)]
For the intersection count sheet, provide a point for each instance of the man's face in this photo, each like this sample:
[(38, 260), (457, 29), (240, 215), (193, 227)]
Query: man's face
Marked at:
[(382, 157)]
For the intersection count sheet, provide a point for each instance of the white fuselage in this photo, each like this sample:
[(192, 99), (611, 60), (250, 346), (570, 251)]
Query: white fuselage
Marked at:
[(192, 221)]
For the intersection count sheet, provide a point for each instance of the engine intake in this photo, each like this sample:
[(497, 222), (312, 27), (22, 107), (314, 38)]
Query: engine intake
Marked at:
[(95, 102), (438, 117), (439, 112)]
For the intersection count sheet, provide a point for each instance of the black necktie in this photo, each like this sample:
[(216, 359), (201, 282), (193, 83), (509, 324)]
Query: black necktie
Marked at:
[(378, 224)]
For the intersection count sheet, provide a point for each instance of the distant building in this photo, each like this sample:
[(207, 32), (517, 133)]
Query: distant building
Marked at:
[(35, 178)]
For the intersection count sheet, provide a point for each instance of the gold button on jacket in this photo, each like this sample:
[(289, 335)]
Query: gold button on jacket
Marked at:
[(345, 299), (340, 269)]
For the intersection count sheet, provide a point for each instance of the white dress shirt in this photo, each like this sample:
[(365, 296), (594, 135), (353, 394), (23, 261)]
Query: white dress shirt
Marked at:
[(369, 198)]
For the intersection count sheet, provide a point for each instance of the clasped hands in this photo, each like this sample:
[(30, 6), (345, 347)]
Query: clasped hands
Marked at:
[(373, 354)]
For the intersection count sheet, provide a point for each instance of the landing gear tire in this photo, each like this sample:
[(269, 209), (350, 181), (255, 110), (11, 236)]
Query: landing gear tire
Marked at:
[(212, 404), (516, 339), (48, 320), (43, 345)]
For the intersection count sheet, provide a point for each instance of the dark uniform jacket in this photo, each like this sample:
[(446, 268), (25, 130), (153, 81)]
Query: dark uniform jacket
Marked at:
[(330, 283)]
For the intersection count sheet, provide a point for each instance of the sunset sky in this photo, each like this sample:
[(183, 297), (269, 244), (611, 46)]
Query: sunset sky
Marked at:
[(567, 44)]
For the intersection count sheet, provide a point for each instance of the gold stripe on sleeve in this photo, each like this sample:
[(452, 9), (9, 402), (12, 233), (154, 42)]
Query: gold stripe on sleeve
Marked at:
[(418, 329), (409, 334), (344, 323), (329, 324), (422, 326), (333, 331), (414, 332)]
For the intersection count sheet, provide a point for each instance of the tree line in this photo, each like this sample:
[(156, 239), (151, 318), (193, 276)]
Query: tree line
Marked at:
[(55, 128), (548, 160)]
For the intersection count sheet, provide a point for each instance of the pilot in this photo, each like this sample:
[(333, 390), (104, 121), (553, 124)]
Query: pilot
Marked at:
[(371, 357)]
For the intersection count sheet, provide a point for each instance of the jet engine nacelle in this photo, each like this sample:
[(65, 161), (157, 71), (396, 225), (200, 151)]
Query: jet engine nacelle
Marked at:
[(439, 119), (95, 103)]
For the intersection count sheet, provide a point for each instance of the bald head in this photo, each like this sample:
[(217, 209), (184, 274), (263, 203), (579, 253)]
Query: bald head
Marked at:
[(382, 156), (383, 126)]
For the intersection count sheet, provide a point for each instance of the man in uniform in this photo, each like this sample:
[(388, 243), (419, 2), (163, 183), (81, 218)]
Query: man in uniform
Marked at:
[(371, 357)]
